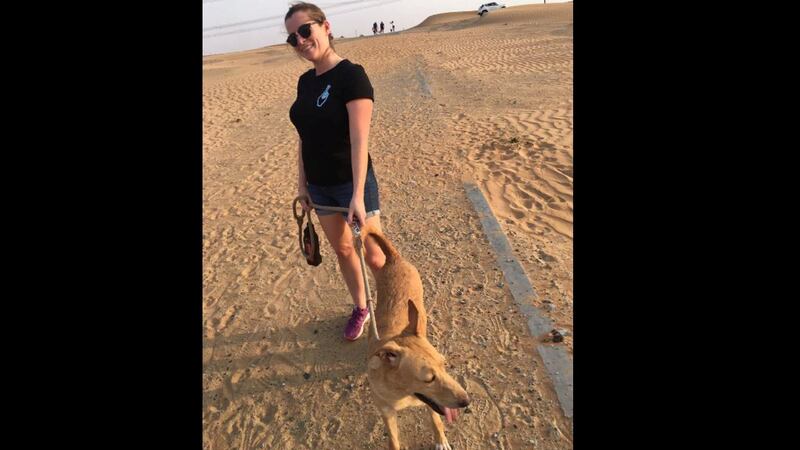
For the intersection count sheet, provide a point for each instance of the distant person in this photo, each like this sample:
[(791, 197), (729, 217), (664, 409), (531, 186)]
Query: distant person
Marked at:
[(332, 115), (381, 27), (392, 23), (374, 27)]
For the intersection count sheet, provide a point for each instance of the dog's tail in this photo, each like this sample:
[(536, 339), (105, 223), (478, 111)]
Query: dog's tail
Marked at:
[(388, 249)]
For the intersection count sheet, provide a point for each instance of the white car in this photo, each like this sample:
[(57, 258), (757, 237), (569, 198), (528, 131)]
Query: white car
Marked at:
[(486, 7)]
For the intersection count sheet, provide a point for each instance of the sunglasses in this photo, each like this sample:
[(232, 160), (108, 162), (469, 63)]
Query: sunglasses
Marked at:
[(303, 30)]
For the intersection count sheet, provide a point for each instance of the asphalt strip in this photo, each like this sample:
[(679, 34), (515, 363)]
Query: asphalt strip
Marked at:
[(556, 360)]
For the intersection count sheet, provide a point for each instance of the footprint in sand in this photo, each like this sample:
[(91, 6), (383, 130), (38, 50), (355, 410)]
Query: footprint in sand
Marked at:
[(223, 321), (270, 414), (485, 409), (270, 310), (516, 211), (333, 427)]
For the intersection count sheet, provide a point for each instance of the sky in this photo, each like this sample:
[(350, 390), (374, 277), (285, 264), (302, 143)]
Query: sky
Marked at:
[(238, 25)]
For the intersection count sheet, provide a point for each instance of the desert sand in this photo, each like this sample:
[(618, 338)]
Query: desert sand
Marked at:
[(459, 97)]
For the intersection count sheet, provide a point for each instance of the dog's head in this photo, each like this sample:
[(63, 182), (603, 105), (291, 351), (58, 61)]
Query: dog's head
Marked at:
[(410, 366)]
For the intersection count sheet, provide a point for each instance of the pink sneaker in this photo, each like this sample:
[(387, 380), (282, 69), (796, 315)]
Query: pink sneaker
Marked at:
[(355, 326)]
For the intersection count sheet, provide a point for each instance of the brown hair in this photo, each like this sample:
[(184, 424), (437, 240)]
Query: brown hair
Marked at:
[(314, 13)]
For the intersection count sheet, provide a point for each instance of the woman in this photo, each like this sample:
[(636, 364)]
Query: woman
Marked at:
[(332, 115)]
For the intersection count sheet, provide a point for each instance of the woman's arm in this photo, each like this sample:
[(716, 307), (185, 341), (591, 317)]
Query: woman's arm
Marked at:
[(302, 189), (359, 111)]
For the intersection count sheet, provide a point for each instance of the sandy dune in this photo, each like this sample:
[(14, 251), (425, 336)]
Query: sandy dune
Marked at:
[(458, 97)]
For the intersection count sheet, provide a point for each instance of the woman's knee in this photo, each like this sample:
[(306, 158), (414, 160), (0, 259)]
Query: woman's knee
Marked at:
[(344, 250), (375, 259)]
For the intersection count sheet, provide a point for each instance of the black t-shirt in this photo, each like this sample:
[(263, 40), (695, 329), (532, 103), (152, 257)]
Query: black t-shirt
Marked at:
[(320, 116)]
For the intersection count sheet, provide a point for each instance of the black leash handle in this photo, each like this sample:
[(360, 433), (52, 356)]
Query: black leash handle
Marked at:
[(299, 218)]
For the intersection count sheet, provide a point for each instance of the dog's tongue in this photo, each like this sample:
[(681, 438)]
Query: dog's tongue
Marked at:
[(450, 414)]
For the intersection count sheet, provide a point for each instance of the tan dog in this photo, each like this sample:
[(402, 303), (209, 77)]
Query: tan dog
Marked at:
[(404, 368)]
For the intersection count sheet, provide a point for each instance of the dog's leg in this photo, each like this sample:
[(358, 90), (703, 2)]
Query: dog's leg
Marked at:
[(438, 432), (390, 419)]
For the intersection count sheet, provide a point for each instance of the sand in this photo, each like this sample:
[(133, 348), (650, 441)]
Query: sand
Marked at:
[(457, 98)]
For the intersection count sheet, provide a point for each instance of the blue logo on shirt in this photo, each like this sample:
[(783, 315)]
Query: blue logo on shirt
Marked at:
[(323, 97)]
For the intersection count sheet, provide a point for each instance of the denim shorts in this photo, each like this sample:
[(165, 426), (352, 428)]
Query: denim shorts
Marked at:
[(341, 194)]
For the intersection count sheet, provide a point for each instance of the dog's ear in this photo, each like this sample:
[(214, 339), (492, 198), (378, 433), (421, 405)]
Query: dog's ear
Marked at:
[(416, 322), (389, 354)]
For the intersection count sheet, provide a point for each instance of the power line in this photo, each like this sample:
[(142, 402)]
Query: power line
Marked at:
[(278, 19)]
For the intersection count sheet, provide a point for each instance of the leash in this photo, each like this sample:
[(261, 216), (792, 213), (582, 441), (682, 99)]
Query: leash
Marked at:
[(358, 244)]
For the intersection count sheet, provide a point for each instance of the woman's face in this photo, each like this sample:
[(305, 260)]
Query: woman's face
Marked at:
[(314, 46)]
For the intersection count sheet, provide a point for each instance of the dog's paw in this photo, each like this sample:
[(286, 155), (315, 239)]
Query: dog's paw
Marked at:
[(445, 446)]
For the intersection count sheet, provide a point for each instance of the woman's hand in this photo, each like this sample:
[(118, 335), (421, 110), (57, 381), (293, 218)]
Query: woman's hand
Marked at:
[(302, 191), (357, 210)]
